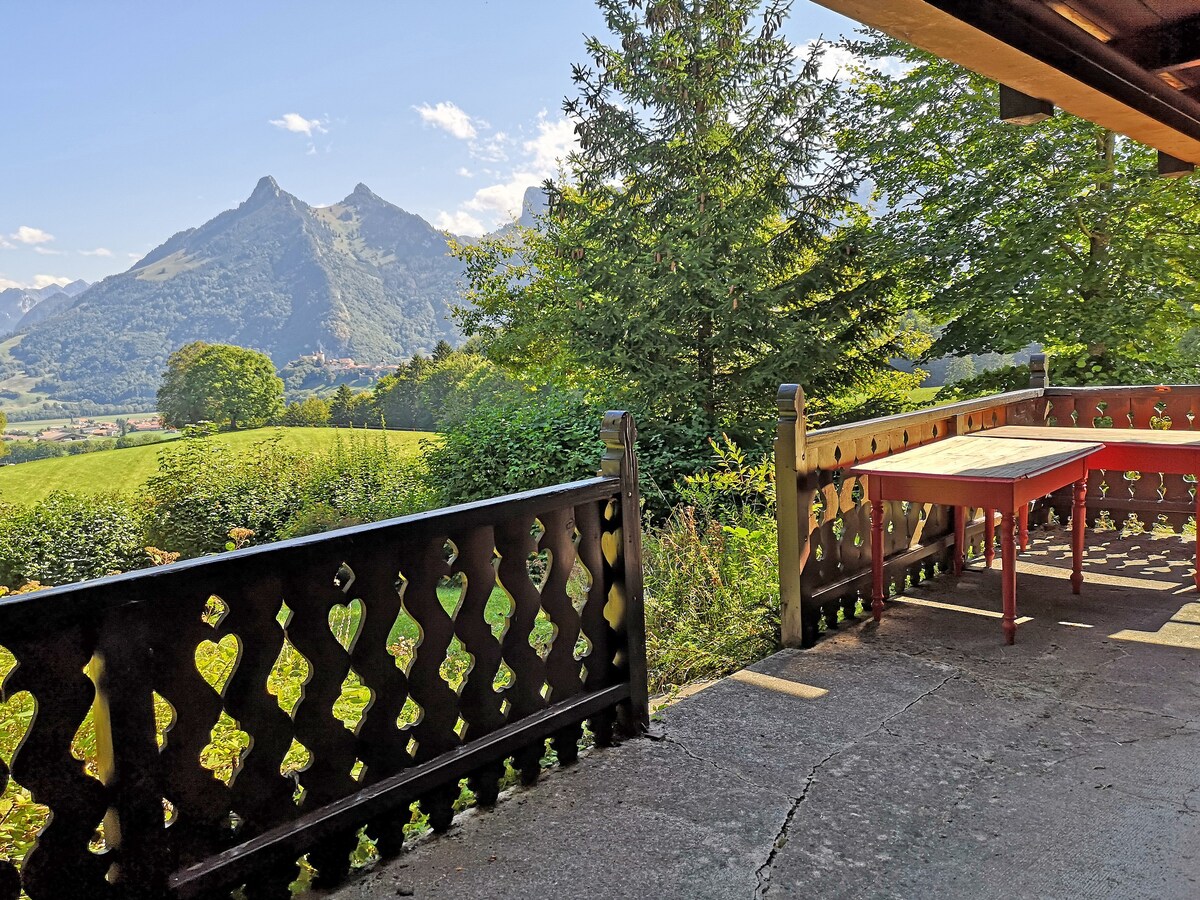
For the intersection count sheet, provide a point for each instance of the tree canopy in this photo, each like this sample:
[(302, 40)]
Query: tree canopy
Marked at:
[(701, 245), (1060, 233), (230, 386)]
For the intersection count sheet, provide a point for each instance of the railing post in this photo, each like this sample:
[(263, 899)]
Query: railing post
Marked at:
[(790, 459), (620, 460), (1039, 373)]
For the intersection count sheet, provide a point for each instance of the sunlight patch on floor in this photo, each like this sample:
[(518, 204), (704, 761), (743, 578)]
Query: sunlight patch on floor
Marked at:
[(953, 607), (779, 685), (1183, 630)]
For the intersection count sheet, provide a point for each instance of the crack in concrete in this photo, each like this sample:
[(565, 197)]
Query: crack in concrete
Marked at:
[(667, 739), (762, 874)]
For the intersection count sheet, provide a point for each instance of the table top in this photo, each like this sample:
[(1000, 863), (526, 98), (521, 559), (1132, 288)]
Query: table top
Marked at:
[(973, 458), (1146, 436)]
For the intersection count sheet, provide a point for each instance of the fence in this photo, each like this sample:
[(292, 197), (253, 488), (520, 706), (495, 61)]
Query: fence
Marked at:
[(272, 702), (824, 522)]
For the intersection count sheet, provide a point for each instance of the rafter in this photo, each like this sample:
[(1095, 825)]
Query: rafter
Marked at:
[(1171, 46)]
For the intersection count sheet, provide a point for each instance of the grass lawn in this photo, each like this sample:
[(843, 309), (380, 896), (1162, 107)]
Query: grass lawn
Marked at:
[(127, 470), (924, 396)]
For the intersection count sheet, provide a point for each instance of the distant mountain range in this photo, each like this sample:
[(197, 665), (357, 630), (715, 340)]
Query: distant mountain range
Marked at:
[(17, 305), (361, 279)]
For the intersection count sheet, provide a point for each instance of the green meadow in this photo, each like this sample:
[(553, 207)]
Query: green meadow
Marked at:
[(127, 470)]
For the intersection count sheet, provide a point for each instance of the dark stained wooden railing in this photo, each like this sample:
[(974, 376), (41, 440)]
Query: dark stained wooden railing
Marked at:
[(156, 817), (824, 523)]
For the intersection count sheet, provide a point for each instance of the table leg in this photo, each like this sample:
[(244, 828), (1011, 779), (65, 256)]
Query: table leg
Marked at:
[(1196, 570), (1023, 526), (960, 539), (1008, 575), (989, 537), (1078, 526), (877, 558)]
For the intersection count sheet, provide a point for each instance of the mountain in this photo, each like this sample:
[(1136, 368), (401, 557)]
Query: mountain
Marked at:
[(17, 305), (361, 279), (14, 304)]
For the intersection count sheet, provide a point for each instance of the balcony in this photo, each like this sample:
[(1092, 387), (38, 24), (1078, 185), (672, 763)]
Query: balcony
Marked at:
[(917, 758)]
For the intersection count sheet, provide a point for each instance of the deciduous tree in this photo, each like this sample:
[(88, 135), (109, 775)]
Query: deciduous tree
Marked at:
[(1059, 233), (230, 386)]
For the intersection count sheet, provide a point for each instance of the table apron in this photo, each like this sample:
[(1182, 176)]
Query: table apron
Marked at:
[(960, 491), (1147, 458)]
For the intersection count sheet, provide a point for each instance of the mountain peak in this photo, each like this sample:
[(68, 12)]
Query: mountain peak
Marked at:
[(266, 188), (363, 193)]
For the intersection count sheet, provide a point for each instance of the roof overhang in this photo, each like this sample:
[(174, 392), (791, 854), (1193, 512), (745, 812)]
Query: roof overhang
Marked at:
[(1136, 76)]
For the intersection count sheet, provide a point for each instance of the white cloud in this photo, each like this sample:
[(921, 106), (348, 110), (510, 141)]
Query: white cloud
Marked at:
[(41, 281), (503, 201), (46, 251), (459, 223), (297, 124), (99, 251), (538, 158), (837, 61), (448, 117), (492, 149), (30, 236), (555, 139), (464, 172), (6, 283)]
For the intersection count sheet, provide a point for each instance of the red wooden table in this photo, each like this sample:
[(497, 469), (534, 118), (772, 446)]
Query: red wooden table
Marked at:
[(989, 472), (1125, 450)]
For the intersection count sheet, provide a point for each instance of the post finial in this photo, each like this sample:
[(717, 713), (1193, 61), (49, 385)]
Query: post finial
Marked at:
[(1039, 371)]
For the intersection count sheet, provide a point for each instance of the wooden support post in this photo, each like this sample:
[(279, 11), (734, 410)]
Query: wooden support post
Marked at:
[(620, 439), (989, 537), (790, 512)]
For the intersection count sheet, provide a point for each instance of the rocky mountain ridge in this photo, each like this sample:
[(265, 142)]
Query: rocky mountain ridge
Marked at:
[(360, 279)]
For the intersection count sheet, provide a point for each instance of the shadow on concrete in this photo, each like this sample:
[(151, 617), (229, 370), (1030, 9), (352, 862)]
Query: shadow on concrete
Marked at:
[(918, 758)]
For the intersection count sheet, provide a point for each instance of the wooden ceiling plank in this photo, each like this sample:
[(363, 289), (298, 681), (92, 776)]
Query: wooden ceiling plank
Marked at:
[(1173, 46), (1151, 119)]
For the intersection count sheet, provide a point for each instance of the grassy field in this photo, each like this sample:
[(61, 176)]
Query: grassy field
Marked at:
[(35, 425), (127, 470), (924, 396)]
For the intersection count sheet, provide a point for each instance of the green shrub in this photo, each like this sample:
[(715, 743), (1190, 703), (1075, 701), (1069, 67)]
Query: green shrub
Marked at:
[(67, 538), (546, 437), (712, 574), (712, 595), (361, 479), (203, 490)]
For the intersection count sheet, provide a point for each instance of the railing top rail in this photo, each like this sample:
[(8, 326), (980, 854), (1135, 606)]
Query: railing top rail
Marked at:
[(887, 423), (52, 604), (1122, 389)]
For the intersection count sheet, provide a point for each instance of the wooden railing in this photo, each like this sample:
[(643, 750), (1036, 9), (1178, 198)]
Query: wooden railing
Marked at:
[(824, 522), (396, 693)]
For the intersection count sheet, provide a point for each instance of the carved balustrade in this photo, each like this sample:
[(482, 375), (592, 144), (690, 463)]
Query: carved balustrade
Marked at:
[(255, 707), (824, 522)]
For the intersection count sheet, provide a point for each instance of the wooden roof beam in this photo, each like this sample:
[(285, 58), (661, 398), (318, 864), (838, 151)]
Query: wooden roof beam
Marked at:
[(1017, 108), (1172, 46), (1030, 47)]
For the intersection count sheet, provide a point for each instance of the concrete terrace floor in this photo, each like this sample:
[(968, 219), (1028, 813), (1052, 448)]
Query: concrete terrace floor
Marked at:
[(922, 758)]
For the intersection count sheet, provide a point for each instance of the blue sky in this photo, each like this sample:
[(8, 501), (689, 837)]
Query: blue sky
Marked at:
[(126, 122)]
